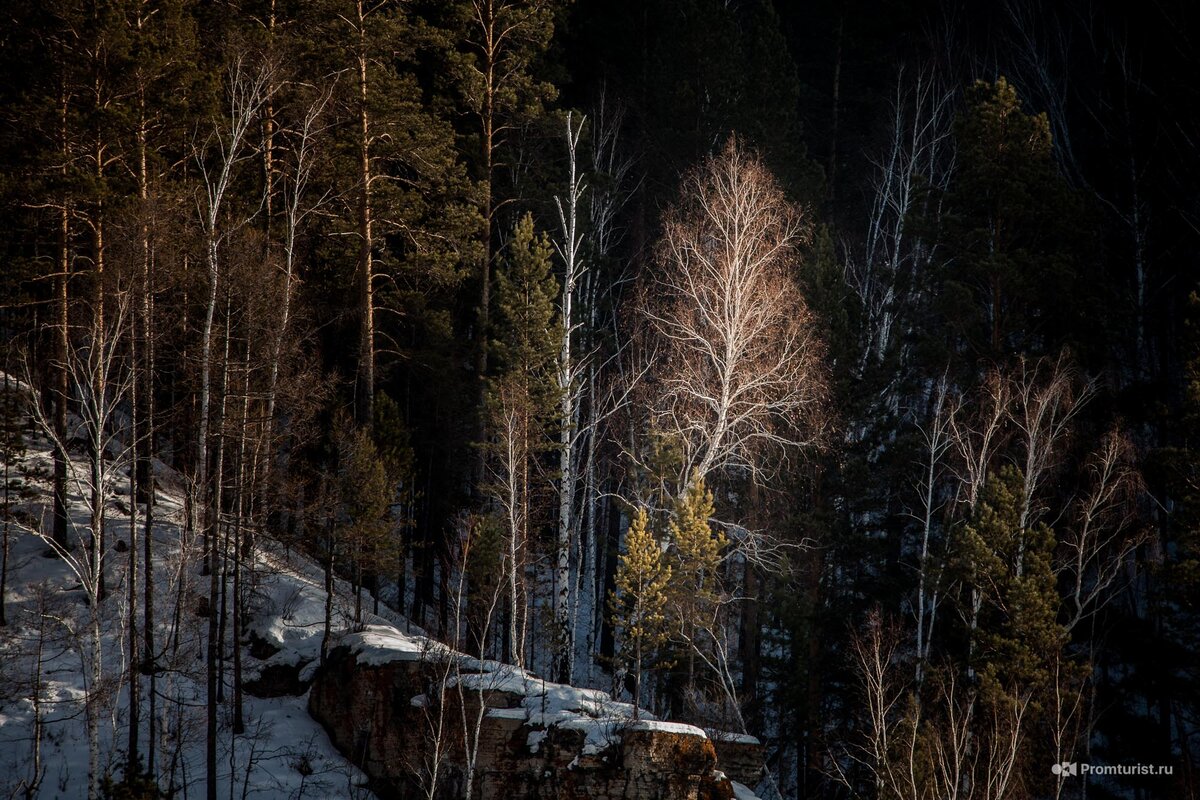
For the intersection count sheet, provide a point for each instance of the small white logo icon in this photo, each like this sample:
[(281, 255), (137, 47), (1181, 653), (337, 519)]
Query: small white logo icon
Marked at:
[(1065, 769)]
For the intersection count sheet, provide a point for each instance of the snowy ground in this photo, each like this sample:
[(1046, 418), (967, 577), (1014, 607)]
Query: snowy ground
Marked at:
[(284, 753)]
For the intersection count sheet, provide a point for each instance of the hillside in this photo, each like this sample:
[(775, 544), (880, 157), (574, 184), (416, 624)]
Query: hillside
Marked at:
[(284, 752)]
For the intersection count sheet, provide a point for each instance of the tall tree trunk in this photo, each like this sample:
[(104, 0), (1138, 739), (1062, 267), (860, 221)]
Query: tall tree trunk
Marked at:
[(210, 525), (8, 458), (201, 482), (210, 731), (96, 669), (99, 333), (365, 391), (569, 249), (487, 153), (133, 766), (751, 643), (219, 544), (328, 630), (144, 434), (240, 520), (487, 120), (62, 390), (612, 550), (268, 137), (357, 581)]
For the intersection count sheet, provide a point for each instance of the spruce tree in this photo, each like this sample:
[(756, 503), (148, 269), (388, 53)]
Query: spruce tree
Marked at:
[(521, 401), (639, 603), (493, 51), (1014, 281), (695, 590), (363, 529)]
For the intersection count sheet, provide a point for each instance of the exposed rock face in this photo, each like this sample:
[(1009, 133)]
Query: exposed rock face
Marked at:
[(740, 757), (274, 672), (401, 719)]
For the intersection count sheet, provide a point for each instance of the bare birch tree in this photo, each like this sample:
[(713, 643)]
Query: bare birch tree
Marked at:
[(1098, 542), (569, 249), (918, 154), (937, 443), (737, 378), (507, 471), (100, 380), (217, 158)]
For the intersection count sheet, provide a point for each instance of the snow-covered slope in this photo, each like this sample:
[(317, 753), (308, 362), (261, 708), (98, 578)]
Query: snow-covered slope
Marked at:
[(284, 753), (43, 655)]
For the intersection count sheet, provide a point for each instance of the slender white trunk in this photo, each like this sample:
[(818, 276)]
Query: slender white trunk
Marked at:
[(93, 701), (569, 250)]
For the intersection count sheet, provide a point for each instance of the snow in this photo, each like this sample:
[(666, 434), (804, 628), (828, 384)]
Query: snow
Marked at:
[(284, 753), (507, 713), (734, 738), (680, 728), (742, 792), (534, 740), (542, 704), (379, 645)]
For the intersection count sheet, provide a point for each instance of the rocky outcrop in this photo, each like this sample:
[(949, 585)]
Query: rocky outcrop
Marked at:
[(405, 711), (271, 671)]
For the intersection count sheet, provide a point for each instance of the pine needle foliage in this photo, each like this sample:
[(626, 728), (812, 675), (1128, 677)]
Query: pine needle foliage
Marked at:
[(639, 604)]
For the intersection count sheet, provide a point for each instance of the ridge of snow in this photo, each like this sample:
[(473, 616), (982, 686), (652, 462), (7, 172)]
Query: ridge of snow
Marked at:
[(681, 728), (733, 738)]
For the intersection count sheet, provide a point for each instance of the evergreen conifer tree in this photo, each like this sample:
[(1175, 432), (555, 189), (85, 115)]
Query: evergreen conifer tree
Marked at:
[(1012, 615), (639, 603), (363, 529), (1013, 283), (521, 402), (527, 331), (494, 51), (695, 555), (695, 590)]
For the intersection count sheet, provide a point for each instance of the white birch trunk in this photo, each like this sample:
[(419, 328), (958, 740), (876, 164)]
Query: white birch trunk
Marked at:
[(569, 250)]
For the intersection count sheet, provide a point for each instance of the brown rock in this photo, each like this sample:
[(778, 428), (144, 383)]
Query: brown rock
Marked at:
[(386, 718)]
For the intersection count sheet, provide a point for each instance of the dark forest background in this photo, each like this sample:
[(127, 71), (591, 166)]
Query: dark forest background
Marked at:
[(330, 242)]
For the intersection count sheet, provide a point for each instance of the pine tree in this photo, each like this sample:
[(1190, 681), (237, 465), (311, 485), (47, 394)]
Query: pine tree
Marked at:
[(493, 50), (527, 329), (1012, 615), (1014, 232), (363, 530), (695, 590), (695, 556), (639, 603), (407, 199), (521, 400)]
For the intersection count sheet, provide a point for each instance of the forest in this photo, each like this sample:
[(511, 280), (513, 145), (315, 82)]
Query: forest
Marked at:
[(823, 373)]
